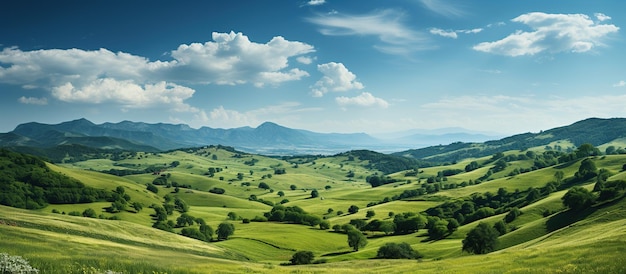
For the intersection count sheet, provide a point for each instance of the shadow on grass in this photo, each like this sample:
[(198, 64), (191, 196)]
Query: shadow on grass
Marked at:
[(568, 217), (337, 253)]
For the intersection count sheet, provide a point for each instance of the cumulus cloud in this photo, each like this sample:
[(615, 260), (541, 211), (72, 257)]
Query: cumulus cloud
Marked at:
[(621, 83), (365, 99), (551, 33), (304, 60), (316, 2), (336, 78), (231, 59), (602, 17), (103, 76), (126, 93), (386, 25), (33, 100)]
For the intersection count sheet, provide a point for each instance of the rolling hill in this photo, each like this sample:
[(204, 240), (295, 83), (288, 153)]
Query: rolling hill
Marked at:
[(223, 185)]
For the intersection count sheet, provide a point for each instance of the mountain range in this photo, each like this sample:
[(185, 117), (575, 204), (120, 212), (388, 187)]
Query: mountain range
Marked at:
[(272, 139), (268, 138)]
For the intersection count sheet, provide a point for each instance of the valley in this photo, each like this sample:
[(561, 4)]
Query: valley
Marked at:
[(387, 198)]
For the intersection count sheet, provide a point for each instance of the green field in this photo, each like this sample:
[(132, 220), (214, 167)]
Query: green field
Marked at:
[(562, 241)]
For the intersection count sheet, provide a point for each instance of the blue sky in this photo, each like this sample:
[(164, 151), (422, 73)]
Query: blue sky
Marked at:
[(327, 66)]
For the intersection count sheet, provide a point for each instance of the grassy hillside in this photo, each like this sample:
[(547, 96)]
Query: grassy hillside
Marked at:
[(130, 244)]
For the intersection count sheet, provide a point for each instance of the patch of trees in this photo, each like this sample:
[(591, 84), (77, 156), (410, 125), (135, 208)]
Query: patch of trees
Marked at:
[(379, 180), (26, 182), (385, 163), (293, 215), (217, 190), (481, 205), (125, 172), (212, 170), (481, 240), (397, 251)]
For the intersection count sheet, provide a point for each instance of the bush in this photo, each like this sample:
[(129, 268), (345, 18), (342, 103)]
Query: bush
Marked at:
[(302, 257), (481, 240), (397, 251)]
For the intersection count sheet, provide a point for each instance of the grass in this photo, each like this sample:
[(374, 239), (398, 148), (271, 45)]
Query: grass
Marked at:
[(58, 243)]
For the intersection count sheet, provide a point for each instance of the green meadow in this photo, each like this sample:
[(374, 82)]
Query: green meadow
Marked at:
[(546, 237)]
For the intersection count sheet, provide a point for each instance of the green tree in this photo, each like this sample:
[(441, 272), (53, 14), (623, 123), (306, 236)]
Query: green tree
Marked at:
[(314, 193), (587, 170), (353, 209), (577, 198), (293, 187), (302, 257), (558, 176), (225, 230), (397, 251), (89, 213), (280, 193), (481, 240), (512, 215), (263, 185), (152, 188), (453, 225), (370, 214), (356, 239), (324, 225), (232, 216), (500, 226)]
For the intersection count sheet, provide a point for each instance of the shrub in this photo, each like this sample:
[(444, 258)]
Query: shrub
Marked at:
[(397, 251), (302, 257)]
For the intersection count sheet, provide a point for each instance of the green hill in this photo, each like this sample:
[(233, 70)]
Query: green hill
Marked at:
[(545, 237)]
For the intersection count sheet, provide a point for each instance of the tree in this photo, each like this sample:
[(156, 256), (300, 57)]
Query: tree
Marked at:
[(89, 213), (263, 185), (558, 176), (481, 240), (137, 206), (232, 215), (224, 230), (293, 187), (438, 229), (577, 198), (356, 239), (453, 225), (370, 214), (512, 215), (302, 257), (586, 170), (387, 227), (353, 209), (152, 188), (324, 225), (314, 194), (397, 251), (500, 227), (280, 193)]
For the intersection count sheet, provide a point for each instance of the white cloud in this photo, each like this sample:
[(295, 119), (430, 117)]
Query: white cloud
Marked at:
[(396, 37), (33, 100), (365, 99), (443, 8), (602, 17), (621, 83), (336, 78), (231, 59), (453, 33), (103, 76), (444, 33), (551, 33), (126, 93), (304, 60), (316, 2)]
